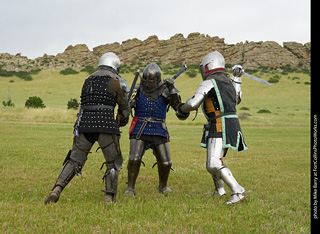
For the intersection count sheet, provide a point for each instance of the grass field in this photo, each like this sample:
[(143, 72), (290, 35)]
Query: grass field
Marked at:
[(275, 170)]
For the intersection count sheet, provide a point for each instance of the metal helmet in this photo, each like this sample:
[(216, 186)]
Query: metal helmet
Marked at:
[(212, 61), (151, 77), (111, 60)]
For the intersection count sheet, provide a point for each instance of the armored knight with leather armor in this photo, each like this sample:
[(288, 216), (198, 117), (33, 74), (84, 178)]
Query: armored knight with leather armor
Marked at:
[(148, 128), (218, 96), (101, 92)]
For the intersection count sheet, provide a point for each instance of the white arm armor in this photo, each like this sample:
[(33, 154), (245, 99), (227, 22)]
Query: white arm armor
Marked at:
[(236, 81), (195, 101)]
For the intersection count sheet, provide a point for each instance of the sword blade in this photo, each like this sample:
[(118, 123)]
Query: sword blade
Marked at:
[(133, 84), (256, 79)]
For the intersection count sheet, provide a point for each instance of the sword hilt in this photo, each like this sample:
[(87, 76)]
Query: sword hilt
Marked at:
[(180, 71)]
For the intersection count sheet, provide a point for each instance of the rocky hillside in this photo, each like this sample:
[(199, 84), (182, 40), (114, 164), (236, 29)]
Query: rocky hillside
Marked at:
[(252, 55)]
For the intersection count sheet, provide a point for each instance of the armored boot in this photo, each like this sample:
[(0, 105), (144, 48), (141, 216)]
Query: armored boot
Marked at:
[(111, 185), (238, 192), (163, 171), (69, 170), (53, 195), (219, 187), (133, 171)]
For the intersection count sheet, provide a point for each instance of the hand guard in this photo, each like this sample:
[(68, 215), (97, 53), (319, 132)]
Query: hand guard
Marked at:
[(122, 121), (169, 82), (237, 70), (181, 115)]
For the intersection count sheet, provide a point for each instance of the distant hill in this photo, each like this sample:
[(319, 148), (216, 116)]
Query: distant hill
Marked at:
[(252, 55)]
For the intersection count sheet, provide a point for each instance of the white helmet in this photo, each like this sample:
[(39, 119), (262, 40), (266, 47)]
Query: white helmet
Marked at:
[(212, 61), (110, 59)]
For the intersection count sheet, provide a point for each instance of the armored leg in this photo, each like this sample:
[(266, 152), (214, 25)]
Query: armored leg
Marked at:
[(72, 166), (238, 192), (162, 153), (215, 153), (221, 173), (111, 151), (219, 187), (137, 148)]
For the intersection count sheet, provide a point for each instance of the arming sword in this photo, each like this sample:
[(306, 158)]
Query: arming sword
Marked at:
[(180, 71), (238, 70), (256, 79), (133, 84)]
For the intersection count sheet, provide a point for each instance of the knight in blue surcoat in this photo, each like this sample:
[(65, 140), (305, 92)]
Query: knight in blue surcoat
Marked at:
[(148, 129)]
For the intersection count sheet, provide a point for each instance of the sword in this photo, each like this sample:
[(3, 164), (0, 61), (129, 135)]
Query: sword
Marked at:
[(180, 71), (133, 84), (256, 79)]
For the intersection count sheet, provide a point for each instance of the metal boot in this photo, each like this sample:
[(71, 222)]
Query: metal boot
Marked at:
[(53, 195), (69, 170), (163, 171), (238, 192), (111, 185), (133, 172)]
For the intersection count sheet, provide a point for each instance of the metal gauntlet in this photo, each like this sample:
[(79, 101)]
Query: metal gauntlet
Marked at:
[(181, 115)]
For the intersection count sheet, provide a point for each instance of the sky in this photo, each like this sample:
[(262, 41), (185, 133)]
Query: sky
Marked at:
[(35, 27)]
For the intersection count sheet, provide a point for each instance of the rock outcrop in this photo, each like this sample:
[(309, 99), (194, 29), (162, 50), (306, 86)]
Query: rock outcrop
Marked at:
[(252, 55)]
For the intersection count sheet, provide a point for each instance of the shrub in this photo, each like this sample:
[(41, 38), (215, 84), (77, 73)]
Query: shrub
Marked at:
[(68, 71), (73, 104), (21, 74), (89, 69), (274, 79), (34, 102), (191, 73), (264, 111), (8, 103)]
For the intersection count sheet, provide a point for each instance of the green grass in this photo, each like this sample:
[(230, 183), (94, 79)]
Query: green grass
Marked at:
[(275, 170)]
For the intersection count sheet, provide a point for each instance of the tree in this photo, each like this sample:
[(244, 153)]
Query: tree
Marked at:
[(34, 102)]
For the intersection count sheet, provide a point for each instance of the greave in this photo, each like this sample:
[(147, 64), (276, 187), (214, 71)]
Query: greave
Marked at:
[(111, 185), (133, 172), (227, 177), (67, 173), (164, 171), (219, 186)]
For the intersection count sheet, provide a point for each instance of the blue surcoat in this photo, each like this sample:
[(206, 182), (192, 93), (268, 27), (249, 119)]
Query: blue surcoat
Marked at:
[(150, 117)]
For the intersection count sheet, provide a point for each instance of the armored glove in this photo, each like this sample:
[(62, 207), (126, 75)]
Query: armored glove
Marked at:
[(237, 70), (169, 82), (181, 115), (121, 120), (236, 78)]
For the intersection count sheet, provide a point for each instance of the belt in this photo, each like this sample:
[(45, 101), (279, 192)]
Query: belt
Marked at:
[(145, 121), (97, 107), (219, 116)]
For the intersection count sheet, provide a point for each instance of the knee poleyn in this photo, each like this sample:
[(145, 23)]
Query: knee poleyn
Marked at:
[(214, 166), (166, 164)]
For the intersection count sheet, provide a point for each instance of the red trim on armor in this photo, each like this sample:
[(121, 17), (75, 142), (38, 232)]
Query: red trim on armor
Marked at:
[(222, 162), (208, 72)]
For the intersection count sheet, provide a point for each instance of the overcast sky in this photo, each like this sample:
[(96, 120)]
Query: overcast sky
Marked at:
[(35, 27)]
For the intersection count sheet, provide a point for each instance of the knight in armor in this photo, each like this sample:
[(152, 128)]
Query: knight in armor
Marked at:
[(101, 91), (148, 128), (218, 96)]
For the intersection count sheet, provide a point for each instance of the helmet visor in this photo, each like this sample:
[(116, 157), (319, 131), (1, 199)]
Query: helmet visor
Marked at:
[(202, 71)]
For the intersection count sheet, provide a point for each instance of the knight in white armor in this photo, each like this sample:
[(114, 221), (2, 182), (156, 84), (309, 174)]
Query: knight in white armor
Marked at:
[(218, 96)]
